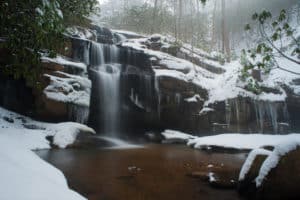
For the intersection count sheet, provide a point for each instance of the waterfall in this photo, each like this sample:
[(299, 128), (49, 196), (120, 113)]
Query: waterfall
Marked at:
[(109, 88), (103, 53), (103, 62)]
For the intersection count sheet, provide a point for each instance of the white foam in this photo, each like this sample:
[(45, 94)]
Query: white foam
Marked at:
[(119, 144)]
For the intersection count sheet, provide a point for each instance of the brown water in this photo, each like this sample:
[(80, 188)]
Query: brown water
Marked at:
[(156, 172)]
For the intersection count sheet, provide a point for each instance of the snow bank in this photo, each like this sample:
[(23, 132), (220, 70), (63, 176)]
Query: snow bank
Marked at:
[(249, 162), (274, 158), (236, 141), (23, 175)]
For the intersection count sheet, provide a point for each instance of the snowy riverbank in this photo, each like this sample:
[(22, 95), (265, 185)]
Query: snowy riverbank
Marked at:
[(23, 175)]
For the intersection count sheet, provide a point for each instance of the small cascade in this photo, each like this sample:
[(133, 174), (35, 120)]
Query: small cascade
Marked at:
[(103, 53)]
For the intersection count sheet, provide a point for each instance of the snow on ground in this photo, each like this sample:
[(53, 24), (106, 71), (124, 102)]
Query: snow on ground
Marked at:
[(23, 175), (236, 141)]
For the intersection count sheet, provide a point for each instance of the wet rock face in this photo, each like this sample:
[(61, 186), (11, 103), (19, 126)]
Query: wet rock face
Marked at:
[(244, 114), (176, 107), (16, 96), (34, 103), (293, 104), (80, 50), (104, 35)]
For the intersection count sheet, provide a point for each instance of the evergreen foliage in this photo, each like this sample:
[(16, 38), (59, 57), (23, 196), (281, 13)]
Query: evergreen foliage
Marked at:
[(31, 28)]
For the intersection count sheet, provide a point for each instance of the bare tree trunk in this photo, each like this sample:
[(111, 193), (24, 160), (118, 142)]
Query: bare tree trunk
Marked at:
[(154, 16), (180, 19), (213, 39), (175, 19), (225, 37)]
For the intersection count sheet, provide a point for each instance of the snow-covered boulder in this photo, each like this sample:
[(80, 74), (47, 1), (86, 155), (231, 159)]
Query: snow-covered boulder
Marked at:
[(65, 134), (65, 97), (275, 175), (172, 136)]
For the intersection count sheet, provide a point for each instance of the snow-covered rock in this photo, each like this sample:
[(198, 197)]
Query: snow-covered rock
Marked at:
[(275, 157), (235, 141), (33, 133), (67, 64), (272, 174), (69, 89), (172, 136)]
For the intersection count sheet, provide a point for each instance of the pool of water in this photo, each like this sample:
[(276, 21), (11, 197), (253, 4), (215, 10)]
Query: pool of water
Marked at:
[(154, 172)]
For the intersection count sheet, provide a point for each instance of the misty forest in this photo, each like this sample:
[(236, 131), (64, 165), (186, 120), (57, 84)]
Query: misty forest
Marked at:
[(149, 99)]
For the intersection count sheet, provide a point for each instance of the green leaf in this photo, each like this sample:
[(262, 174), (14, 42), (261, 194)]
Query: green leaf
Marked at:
[(247, 27)]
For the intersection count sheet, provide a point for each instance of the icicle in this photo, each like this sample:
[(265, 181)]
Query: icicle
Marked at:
[(79, 114), (177, 98)]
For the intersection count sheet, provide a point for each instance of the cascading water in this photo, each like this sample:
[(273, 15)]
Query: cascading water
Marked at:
[(103, 61), (109, 85)]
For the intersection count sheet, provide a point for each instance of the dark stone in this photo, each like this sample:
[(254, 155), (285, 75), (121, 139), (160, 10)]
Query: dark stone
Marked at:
[(154, 137), (155, 38), (293, 106), (10, 120), (33, 127), (256, 74), (16, 95), (104, 35)]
